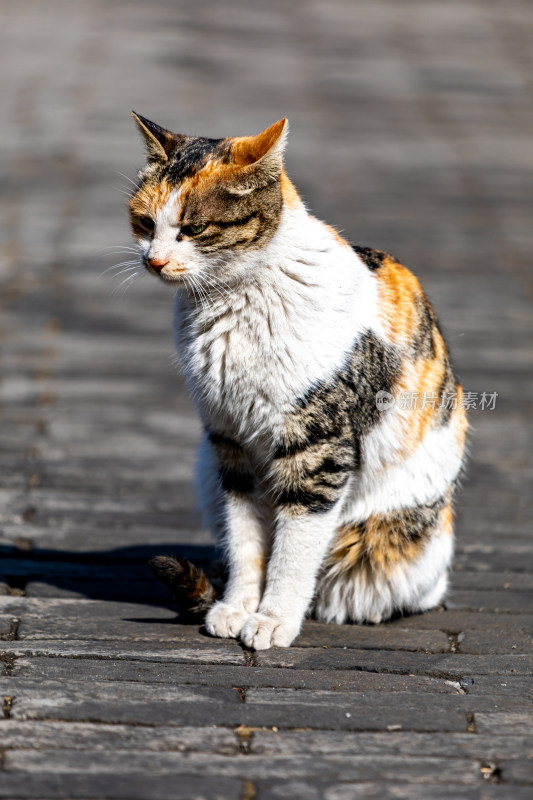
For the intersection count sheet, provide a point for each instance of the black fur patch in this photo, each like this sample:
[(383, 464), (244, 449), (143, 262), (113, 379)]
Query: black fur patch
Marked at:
[(322, 443), (416, 523), (372, 258), (235, 481), (191, 157), (235, 473), (311, 499), (447, 391), (350, 398), (423, 338)]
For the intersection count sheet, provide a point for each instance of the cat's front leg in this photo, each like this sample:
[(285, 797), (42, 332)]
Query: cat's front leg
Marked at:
[(298, 552), (310, 482), (245, 544), (245, 541)]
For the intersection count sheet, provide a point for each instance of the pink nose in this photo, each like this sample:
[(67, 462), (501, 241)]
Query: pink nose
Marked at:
[(157, 263)]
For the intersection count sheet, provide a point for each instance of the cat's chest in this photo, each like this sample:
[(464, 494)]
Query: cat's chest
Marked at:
[(249, 361), (245, 374)]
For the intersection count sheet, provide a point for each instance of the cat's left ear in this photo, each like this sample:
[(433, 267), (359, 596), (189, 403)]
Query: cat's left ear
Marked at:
[(159, 141), (261, 157)]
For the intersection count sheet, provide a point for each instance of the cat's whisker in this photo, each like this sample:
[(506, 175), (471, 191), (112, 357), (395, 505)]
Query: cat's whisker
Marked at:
[(120, 290), (133, 263), (134, 183), (200, 294), (121, 264), (125, 281), (212, 284), (125, 271), (119, 249), (208, 284), (125, 263), (215, 282), (122, 190), (122, 247), (204, 302)]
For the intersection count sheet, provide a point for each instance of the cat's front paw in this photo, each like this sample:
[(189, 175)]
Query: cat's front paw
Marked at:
[(225, 620), (261, 631)]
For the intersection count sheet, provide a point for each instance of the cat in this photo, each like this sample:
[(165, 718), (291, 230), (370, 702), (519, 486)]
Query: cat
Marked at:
[(329, 492)]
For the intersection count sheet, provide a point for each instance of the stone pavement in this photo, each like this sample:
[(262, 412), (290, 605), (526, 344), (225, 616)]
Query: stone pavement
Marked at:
[(411, 131)]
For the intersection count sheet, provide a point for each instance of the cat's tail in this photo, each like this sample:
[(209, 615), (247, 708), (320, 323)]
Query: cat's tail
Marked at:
[(194, 592)]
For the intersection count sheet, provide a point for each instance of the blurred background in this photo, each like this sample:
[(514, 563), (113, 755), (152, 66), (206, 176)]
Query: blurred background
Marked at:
[(410, 131)]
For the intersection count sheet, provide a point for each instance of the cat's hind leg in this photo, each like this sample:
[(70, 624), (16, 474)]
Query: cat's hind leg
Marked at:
[(391, 563)]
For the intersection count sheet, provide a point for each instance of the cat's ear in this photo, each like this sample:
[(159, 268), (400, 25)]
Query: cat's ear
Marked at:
[(159, 141), (261, 157)]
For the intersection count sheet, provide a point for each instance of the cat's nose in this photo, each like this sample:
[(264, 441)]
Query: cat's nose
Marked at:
[(157, 263)]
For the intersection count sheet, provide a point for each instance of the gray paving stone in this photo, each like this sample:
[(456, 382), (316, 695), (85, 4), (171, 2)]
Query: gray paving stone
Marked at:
[(518, 770), (460, 621), (440, 665), (500, 684), (451, 792), (79, 668), (6, 626), (501, 724), (515, 602), (491, 580), (360, 768), (460, 745), (43, 735), (488, 642), (225, 652), (47, 786), (381, 637), (133, 703), (140, 703)]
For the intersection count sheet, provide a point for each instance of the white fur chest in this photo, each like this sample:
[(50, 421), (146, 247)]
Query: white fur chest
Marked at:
[(250, 352)]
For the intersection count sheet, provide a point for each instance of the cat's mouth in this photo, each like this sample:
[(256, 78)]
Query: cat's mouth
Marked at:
[(169, 273), (172, 275)]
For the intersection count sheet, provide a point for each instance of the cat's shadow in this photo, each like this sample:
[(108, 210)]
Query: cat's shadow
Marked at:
[(121, 574)]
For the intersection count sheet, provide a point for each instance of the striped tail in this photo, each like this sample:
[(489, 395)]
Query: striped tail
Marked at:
[(194, 592)]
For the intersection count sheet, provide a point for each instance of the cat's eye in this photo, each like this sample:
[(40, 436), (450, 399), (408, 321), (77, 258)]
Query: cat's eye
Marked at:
[(147, 223), (193, 230)]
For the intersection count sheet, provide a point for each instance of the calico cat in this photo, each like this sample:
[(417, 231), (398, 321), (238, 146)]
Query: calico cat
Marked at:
[(330, 493)]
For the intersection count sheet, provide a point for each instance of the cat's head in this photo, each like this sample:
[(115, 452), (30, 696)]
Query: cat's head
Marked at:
[(202, 203)]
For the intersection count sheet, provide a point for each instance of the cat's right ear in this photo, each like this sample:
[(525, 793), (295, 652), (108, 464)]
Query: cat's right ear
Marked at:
[(259, 159), (159, 141)]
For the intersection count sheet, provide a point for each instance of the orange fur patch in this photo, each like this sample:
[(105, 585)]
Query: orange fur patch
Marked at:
[(460, 419), (370, 548), (381, 543), (249, 149), (446, 519), (289, 194), (400, 296), (398, 288), (259, 563), (150, 198), (421, 380)]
